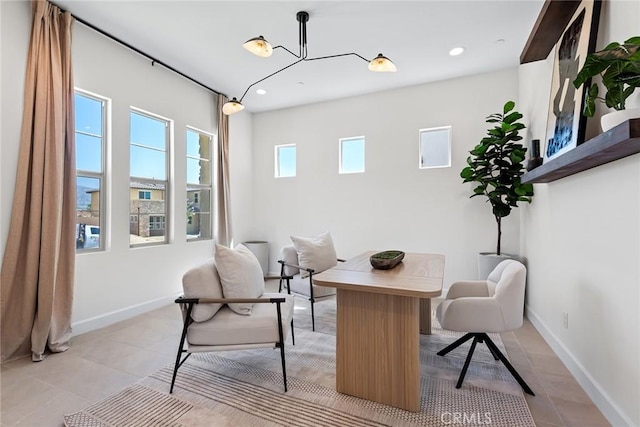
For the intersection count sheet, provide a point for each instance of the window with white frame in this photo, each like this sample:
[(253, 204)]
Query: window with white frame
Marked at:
[(149, 183), (199, 184), (435, 147), (90, 136), (285, 160), (351, 156)]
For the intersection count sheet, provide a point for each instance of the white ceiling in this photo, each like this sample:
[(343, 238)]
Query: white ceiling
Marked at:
[(203, 39)]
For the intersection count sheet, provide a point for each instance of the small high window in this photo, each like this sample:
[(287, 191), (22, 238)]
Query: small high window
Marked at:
[(352, 155), (435, 147), (285, 161)]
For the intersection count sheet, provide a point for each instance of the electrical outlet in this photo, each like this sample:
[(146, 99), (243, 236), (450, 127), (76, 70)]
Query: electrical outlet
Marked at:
[(565, 320)]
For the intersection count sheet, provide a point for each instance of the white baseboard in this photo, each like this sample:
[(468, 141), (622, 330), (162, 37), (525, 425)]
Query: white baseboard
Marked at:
[(600, 398), (107, 319)]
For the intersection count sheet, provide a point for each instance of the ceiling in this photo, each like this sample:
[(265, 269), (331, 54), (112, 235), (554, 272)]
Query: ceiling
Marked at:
[(203, 39)]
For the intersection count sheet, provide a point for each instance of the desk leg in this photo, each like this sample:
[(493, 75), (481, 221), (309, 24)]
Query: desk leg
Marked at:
[(377, 348), (425, 316)]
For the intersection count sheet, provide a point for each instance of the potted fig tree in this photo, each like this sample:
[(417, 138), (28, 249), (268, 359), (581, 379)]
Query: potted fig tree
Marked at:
[(619, 67), (496, 165)]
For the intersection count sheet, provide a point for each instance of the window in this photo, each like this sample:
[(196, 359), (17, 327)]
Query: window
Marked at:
[(285, 160), (149, 184), (156, 225), (199, 184), (435, 147), (90, 135), (352, 155)]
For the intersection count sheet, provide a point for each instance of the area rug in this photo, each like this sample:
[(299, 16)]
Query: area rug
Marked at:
[(244, 388)]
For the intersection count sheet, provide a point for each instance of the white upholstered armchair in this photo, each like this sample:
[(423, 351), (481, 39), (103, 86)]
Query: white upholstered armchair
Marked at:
[(224, 308), (482, 306)]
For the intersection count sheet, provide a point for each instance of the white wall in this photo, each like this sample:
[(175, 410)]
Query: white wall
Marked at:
[(581, 236), (393, 205), (120, 281)]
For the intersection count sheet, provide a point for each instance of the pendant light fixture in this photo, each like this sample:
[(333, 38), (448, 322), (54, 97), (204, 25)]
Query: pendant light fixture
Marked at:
[(261, 47)]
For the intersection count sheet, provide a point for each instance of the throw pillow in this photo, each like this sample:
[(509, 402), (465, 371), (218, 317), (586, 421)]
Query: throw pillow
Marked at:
[(315, 252), (203, 282), (240, 275)]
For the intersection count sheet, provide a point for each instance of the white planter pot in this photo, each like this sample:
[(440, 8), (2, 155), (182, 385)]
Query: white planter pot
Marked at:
[(614, 118), (488, 261)]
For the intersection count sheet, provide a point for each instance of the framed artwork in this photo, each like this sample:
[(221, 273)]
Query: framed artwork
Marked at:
[(565, 122)]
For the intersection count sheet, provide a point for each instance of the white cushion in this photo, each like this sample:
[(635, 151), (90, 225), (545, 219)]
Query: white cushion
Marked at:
[(240, 275), (227, 328), (203, 282), (316, 252)]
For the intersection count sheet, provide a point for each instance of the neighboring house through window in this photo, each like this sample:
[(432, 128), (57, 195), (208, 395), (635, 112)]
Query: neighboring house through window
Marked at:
[(90, 135), (199, 184), (149, 181)]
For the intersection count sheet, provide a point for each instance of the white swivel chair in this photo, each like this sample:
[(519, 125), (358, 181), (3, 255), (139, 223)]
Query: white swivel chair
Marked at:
[(479, 307)]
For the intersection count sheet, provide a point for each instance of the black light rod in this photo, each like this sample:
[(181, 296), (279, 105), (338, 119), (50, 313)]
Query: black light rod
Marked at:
[(270, 75), (139, 52)]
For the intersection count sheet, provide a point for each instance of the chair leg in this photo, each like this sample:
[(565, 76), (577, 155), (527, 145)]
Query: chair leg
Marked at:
[(281, 345), (455, 344), (293, 337), (311, 299), (181, 346), (467, 361), (496, 351), (495, 356), (313, 317)]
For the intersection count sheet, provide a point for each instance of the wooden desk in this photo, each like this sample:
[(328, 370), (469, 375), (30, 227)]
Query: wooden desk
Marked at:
[(378, 325)]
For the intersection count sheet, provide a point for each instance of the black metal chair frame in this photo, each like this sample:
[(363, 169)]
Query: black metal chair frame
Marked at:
[(287, 278), (479, 337), (191, 302)]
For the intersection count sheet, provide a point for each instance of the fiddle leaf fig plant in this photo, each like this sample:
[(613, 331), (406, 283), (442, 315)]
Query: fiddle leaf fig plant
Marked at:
[(619, 66), (496, 165)]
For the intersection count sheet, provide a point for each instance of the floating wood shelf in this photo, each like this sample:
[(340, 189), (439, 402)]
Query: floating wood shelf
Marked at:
[(551, 22), (621, 141)]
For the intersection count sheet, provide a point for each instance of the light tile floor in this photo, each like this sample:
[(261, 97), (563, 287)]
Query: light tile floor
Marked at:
[(102, 362)]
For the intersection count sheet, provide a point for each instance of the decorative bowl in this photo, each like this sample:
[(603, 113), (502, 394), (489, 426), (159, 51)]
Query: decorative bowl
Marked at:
[(386, 260)]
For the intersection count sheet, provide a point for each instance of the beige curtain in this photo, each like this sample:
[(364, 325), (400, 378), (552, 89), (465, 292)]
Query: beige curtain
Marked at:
[(38, 265), (223, 198)]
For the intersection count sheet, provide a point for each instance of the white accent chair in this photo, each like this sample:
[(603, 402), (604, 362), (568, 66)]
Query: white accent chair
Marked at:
[(210, 325), (291, 277), (479, 307)]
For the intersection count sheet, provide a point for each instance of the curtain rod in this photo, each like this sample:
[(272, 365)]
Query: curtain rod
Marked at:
[(139, 52)]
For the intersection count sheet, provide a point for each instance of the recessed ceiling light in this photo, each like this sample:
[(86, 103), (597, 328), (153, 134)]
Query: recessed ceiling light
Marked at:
[(500, 41), (456, 51), (261, 91), (301, 83)]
